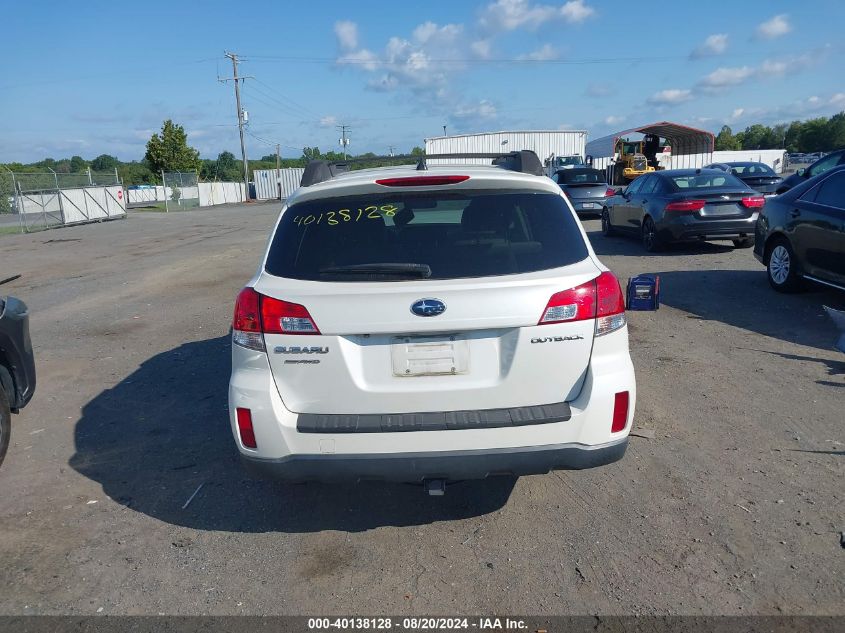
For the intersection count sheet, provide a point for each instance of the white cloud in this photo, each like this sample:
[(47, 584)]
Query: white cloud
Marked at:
[(508, 15), (671, 96), (715, 44), (785, 66), (613, 120), (575, 11), (737, 114), (775, 27), (347, 35), (723, 77), (481, 110), (328, 121), (481, 48), (544, 53), (599, 90)]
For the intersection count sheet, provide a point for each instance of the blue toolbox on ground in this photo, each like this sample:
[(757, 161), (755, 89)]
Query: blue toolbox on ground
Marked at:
[(643, 293)]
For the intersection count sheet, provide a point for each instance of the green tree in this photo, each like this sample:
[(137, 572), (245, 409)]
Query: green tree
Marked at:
[(104, 162), (725, 140), (78, 164), (836, 131), (419, 151), (754, 136), (793, 137), (814, 135), (169, 150)]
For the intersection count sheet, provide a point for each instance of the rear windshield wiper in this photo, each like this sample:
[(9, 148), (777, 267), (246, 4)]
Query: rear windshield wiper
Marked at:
[(399, 269)]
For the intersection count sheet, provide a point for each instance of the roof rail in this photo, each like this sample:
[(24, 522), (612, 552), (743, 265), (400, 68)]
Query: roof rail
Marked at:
[(524, 161)]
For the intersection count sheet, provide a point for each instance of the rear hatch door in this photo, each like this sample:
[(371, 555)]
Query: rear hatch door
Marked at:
[(482, 349)]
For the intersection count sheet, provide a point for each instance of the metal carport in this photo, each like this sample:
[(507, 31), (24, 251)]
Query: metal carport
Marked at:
[(690, 147)]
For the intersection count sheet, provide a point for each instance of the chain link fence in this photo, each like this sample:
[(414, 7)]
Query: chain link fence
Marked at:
[(37, 200), (181, 190)]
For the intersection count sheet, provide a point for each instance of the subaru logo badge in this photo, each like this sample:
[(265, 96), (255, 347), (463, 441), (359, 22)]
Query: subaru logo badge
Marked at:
[(428, 307)]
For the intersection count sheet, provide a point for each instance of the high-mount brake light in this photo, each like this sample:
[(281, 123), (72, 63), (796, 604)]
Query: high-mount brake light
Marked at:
[(753, 202), (421, 181), (600, 299), (256, 315), (685, 205)]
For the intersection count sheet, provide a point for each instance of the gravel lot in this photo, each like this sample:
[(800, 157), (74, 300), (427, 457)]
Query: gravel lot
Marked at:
[(735, 506)]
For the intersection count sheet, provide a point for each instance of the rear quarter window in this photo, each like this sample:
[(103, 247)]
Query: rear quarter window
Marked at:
[(455, 235)]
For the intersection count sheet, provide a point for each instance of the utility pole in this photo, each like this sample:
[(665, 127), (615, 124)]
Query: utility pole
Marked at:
[(344, 142), (444, 131), (236, 79), (278, 171)]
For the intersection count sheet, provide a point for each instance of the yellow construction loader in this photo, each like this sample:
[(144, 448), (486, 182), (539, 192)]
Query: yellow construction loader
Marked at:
[(631, 161)]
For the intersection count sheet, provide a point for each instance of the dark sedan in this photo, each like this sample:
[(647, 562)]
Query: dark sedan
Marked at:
[(17, 366), (585, 187), (801, 233), (679, 205), (822, 165), (758, 176)]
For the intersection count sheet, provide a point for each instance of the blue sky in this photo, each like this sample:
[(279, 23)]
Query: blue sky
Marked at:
[(94, 77)]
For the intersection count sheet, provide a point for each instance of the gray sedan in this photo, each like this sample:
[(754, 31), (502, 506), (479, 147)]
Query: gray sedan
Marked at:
[(586, 188)]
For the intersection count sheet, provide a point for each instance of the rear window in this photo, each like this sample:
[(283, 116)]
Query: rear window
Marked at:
[(757, 169), (577, 176), (706, 181), (403, 236)]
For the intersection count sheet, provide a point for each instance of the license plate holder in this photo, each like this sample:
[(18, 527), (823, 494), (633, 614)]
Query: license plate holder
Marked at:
[(438, 355)]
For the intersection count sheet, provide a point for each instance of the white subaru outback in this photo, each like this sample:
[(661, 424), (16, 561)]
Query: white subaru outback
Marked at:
[(429, 325)]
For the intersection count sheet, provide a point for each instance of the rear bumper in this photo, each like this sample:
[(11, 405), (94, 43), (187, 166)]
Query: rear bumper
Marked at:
[(692, 228), (451, 466)]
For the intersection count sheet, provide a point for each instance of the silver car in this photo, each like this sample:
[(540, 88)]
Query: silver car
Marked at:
[(585, 187)]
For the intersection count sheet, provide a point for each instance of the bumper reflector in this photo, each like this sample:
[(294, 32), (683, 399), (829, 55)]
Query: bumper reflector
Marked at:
[(245, 428), (620, 412)]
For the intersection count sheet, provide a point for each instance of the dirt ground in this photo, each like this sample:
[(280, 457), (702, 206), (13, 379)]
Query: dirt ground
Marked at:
[(734, 506)]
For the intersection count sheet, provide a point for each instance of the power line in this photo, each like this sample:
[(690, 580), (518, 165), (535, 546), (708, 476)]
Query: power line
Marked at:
[(286, 98), (279, 105)]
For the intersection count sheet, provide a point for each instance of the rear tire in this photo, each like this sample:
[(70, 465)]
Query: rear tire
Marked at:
[(745, 242), (651, 242), (606, 226), (781, 267), (5, 423)]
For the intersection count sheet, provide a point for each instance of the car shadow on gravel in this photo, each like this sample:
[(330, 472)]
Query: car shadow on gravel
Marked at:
[(162, 433), (624, 244), (744, 299)]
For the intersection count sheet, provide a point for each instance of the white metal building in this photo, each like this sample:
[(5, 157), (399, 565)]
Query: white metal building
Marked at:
[(544, 143), (270, 183)]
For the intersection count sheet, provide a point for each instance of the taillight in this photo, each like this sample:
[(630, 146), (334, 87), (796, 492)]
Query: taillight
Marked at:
[(685, 205), (245, 430), (575, 304), (256, 315), (283, 317), (421, 181), (753, 202), (620, 411), (599, 299), (609, 192), (246, 324)]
